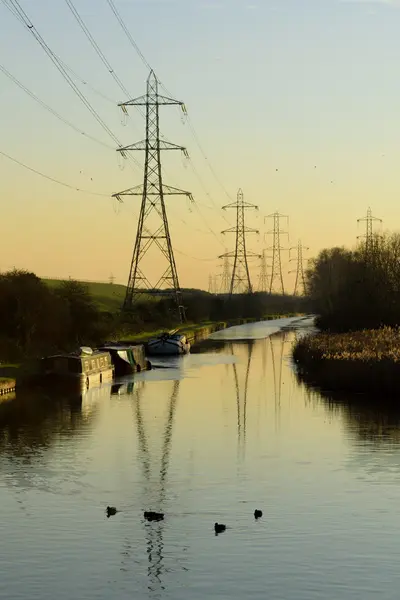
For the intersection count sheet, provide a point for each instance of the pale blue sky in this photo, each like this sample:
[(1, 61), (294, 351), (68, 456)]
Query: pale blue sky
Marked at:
[(294, 101)]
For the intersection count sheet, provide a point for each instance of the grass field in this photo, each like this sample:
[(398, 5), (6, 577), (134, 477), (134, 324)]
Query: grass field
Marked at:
[(108, 296)]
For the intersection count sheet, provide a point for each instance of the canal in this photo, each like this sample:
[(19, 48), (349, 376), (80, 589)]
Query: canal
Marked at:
[(211, 438)]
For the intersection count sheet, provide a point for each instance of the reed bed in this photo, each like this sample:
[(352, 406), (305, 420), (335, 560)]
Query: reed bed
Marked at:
[(363, 361)]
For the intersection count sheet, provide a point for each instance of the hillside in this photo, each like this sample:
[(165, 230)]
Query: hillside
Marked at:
[(108, 296)]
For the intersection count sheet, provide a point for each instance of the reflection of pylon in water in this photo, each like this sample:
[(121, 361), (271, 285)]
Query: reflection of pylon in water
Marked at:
[(155, 498), (241, 406), (277, 378)]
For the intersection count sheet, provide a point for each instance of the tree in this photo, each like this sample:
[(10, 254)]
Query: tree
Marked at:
[(84, 316), (32, 318)]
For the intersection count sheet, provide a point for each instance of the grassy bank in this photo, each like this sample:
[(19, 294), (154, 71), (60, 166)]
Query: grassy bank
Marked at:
[(365, 361), (191, 329)]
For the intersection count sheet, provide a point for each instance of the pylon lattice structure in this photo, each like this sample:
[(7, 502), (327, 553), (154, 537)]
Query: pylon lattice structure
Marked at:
[(226, 276), (369, 220), (240, 279), (300, 281), (263, 277), (276, 269), (213, 284), (153, 229)]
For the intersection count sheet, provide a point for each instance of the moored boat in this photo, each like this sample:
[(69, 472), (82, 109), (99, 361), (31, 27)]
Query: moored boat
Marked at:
[(86, 368), (168, 344), (127, 359)]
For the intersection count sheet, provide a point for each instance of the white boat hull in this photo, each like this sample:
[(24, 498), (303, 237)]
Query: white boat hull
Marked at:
[(168, 346)]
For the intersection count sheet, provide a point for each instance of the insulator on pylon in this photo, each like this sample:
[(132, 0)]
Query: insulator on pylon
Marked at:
[(120, 161), (124, 116)]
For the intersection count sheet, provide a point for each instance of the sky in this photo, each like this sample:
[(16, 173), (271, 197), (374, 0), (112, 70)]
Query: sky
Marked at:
[(294, 101)]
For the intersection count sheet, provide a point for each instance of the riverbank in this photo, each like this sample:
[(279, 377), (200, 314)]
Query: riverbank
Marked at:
[(365, 361), (199, 331), (7, 385)]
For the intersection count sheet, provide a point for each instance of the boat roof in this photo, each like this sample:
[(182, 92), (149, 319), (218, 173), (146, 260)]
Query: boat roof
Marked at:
[(116, 347), (77, 356)]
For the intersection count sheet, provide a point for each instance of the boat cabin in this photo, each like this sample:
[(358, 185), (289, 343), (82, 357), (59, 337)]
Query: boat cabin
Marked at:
[(87, 368)]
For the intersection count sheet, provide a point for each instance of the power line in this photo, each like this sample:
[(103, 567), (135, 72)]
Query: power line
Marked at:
[(16, 9), (86, 83), (95, 46), (194, 257), (50, 109), (147, 64), (72, 187), (128, 34)]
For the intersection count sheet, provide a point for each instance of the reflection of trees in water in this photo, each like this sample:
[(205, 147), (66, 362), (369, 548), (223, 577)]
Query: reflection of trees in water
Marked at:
[(157, 496), (32, 423), (34, 420), (369, 419)]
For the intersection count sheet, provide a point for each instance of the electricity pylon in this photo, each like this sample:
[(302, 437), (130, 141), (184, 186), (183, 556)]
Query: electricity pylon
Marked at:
[(276, 270), (369, 235), (213, 284), (226, 276), (300, 279), (153, 228), (240, 280), (263, 277)]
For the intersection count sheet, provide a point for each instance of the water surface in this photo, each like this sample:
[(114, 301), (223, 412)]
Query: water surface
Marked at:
[(215, 436)]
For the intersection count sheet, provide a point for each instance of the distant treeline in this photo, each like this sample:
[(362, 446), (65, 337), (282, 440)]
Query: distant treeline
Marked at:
[(201, 307), (36, 319), (358, 289)]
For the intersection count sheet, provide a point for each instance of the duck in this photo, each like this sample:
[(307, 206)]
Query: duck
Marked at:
[(257, 513), (111, 511), (153, 516), (219, 528)]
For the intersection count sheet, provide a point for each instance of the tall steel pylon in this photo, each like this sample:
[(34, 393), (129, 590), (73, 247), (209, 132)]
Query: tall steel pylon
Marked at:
[(226, 276), (369, 234), (300, 279), (276, 269), (240, 280), (263, 277), (213, 284), (153, 228)]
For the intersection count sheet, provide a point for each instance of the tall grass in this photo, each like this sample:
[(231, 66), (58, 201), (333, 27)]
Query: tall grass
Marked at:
[(363, 361)]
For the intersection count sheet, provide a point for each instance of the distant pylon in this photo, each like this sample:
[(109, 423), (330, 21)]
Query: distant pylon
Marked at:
[(276, 269), (300, 279), (369, 234), (263, 277), (226, 276), (153, 228), (240, 280), (213, 284)]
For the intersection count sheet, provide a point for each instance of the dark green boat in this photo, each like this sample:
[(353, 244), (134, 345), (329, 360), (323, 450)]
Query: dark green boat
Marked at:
[(127, 359)]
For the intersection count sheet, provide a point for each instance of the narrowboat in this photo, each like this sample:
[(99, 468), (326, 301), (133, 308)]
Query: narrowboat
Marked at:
[(126, 359), (168, 344), (84, 369)]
